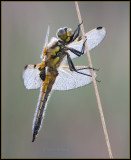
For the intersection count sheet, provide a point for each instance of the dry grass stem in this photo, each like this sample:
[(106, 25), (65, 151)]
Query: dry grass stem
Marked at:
[(95, 85)]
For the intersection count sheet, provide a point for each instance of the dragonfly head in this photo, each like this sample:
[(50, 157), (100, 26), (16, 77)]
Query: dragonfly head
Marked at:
[(64, 34)]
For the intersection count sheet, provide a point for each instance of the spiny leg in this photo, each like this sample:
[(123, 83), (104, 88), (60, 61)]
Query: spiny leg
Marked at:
[(72, 67), (76, 52), (78, 32), (94, 69), (83, 47)]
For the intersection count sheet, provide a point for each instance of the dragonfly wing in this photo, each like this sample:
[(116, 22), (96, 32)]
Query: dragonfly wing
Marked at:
[(94, 37), (67, 79), (52, 40), (31, 77), (46, 42)]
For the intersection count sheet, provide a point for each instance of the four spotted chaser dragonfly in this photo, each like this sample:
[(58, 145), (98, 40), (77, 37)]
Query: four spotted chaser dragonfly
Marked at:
[(53, 74)]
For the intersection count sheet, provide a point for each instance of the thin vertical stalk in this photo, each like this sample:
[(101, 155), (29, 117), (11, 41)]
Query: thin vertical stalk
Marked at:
[(95, 85)]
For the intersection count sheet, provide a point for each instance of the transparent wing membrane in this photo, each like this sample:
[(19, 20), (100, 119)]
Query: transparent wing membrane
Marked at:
[(45, 43), (67, 79), (94, 37), (31, 77)]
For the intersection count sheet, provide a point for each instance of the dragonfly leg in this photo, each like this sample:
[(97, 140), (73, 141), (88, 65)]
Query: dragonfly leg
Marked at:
[(94, 69), (83, 47), (76, 32), (76, 52), (72, 67)]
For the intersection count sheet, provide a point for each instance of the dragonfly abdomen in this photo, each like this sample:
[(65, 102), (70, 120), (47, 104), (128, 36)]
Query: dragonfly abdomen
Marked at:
[(39, 114), (44, 97)]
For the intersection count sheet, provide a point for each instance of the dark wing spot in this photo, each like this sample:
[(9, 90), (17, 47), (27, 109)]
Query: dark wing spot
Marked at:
[(25, 67), (99, 28), (34, 65)]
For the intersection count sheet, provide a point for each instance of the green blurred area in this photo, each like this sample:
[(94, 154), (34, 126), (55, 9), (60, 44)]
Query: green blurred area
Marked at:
[(72, 127)]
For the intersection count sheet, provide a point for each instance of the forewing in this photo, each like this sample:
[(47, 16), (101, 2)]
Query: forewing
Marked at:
[(67, 79), (94, 37), (45, 43), (31, 77)]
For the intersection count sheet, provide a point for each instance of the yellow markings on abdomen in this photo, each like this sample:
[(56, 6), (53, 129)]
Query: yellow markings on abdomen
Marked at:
[(46, 88), (40, 110), (44, 91)]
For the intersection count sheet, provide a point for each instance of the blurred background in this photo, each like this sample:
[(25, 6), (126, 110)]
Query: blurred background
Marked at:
[(72, 126)]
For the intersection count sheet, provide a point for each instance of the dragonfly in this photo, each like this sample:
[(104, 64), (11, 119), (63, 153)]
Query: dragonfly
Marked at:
[(53, 73)]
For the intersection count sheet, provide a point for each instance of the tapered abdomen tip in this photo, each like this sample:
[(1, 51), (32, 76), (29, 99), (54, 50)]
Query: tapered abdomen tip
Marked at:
[(34, 137)]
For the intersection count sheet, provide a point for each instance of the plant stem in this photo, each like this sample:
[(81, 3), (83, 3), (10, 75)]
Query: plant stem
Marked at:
[(95, 85)]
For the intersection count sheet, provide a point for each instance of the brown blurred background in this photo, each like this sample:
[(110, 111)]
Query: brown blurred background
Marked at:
[(72, 127)]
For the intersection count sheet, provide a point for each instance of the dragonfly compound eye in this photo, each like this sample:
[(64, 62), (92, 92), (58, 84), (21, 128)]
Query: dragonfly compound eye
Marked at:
[(62, 33)]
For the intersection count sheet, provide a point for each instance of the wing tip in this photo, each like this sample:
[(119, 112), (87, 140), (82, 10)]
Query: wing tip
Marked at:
[(25, 67), (98, 28), (101, 28)]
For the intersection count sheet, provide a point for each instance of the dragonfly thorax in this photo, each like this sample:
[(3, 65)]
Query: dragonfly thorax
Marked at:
[(65, 34)]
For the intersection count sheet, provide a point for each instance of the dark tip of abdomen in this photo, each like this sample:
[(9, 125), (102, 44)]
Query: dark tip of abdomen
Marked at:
[(33, 138), (99, 27)]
